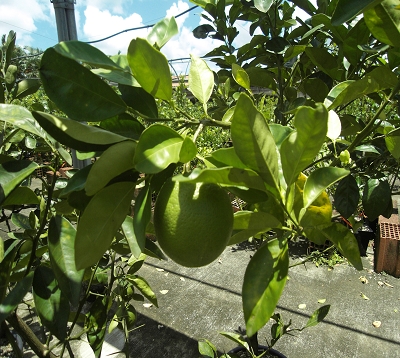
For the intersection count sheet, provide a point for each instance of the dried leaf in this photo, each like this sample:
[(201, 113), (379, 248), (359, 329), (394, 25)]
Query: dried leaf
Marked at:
[(164, 292), (388, 285), (322, 300), (147, 305), (302, 306), (363, 279), (363, 296), (376, 324), (160, 269)]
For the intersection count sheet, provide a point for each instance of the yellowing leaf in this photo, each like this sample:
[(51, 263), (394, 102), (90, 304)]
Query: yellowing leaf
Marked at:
[(363, 296)]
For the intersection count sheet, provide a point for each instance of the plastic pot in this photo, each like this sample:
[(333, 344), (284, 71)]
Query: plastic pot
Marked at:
[(261, 349)]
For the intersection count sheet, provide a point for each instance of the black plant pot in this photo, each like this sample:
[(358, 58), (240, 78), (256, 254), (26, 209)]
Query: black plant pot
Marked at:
[(261, 349)]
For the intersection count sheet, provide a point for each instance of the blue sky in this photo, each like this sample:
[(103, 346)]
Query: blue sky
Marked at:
[(35, 25)]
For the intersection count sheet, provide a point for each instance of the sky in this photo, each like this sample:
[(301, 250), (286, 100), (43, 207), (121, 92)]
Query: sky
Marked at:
[(35, 25)]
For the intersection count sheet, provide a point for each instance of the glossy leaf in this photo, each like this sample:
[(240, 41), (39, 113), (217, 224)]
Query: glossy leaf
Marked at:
[(150, 68), (141, 217), (392, 140), (77, 135), (264, 280), (15, 296), (12, 173), (376, 198), (253, 141), (201, 79), (263, 5), (299, 149), (51, 305), (77, 182), (97, 324), (319, 180), (158, 147), (325, 61), (347, 196), (377, 80), (248, 223), (140, 100), (84, 52), (206, 349), (20, 117), (27, 87), (76, 90), (237, 338), (344, 240), (317, 316), (347, 9), (142, 285), (100, 221), (226, 157), (240, 76), (383, 20), (227, 176), (162, 32), (10, 77), (21, 196), (316, 89), (114, 161), (261, 77), (357, 35), (61, 243), (125, 126)]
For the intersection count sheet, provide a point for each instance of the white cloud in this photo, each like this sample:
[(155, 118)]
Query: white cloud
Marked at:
[(176, 9), (22, 18), (94, 29)]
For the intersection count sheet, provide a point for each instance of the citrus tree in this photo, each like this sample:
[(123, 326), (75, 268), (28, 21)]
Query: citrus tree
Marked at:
[(282, 166)]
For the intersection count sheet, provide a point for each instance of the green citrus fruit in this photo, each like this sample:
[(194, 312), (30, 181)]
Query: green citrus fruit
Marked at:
[(344, 156), (193, 222)]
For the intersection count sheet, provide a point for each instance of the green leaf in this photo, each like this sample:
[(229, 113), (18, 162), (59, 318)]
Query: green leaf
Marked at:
[(253, 141), (347, 196), (140, 100), (21, 118), (30, 142), (392, 140), (150, 67), (51, 305), (358, 35), (263, 5), (84, 52), (21, 196), (114, 161), (124, 125), (317, 316), (12, 173), (383, 20), (207, 349), (299, 149), (227, 176), (21, 221), (237, 338), (264, 280), (325, 61), (1, 250), (100, 221), (76, 90), (377, 80), (225, 157), (158, 147), (316, 89), (61, 243), (77, 135), (240, 76), (15, 296), (377, 197), (344, 240), (27, 87), (346, 9), (141, 217), (142, 285), (77, 182), (319, 180), (162, 32), (97, 324), (201, 79), (248, 223), (261, 77)]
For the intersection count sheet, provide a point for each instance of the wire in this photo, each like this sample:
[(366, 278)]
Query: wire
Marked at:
[(116, 34), (137, 28)]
